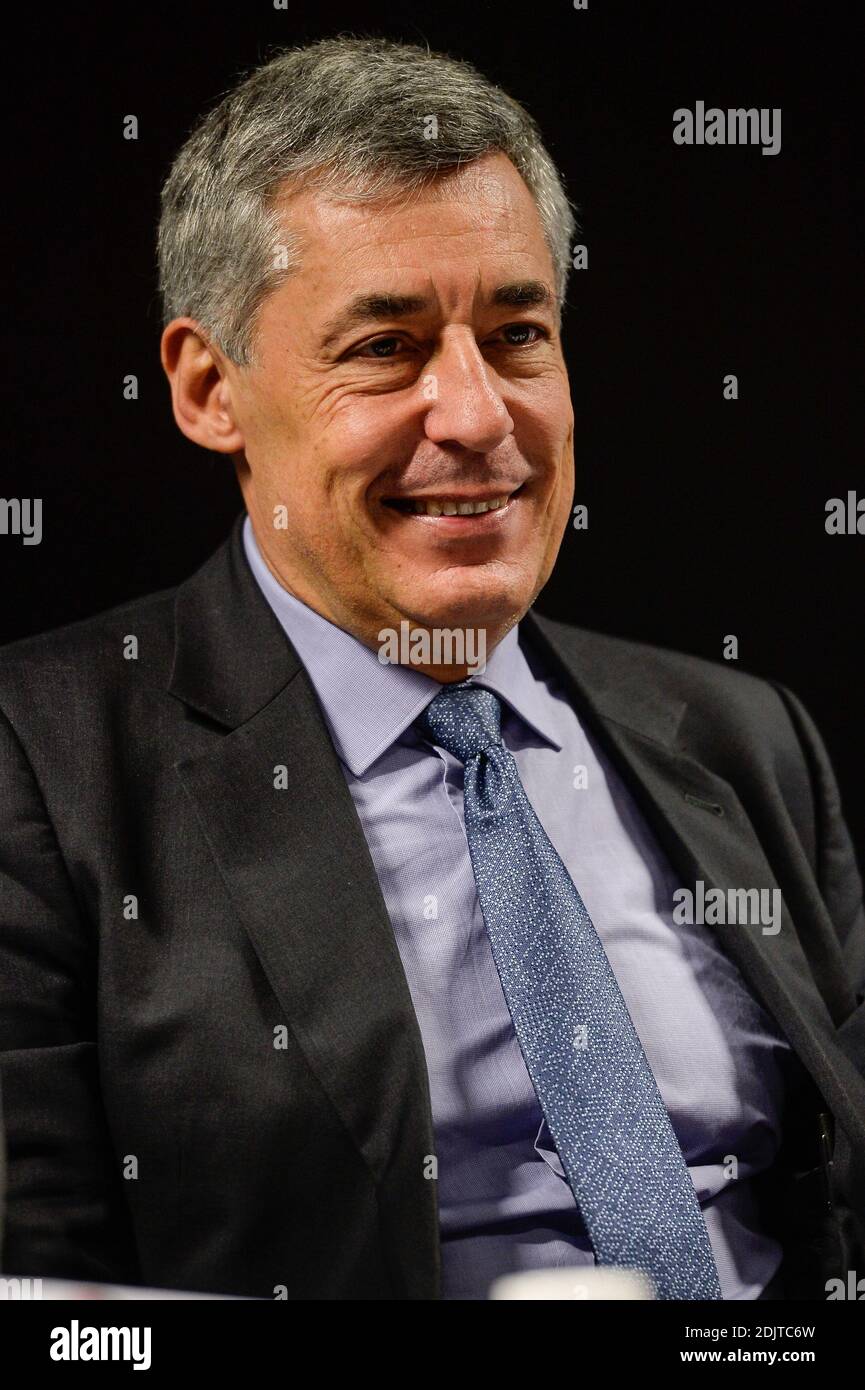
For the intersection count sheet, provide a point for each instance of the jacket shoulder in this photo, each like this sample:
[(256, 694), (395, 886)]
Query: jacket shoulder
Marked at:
[(624, 664), (79, 659)]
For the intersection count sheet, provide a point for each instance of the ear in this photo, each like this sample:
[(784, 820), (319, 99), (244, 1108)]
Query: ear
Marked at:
[(200, 392)]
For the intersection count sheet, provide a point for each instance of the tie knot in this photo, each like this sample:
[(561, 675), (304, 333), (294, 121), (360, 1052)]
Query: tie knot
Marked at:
[(464, 719)]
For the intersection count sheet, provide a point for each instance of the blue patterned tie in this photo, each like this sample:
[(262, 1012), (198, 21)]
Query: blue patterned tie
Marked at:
[(593, 1080)]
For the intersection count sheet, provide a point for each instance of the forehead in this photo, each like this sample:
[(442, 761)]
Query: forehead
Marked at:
[(478, 218)]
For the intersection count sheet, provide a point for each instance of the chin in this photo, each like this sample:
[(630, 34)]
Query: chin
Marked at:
[(480, 605)]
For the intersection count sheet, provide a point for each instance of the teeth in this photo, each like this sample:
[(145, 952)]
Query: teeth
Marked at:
[(443, 506)]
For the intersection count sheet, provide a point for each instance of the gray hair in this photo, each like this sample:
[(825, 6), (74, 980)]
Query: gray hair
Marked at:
[(346, 115)]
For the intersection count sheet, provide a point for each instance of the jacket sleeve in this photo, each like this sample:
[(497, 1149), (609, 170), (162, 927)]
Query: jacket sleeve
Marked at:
[(838, 872), (65, 1216)]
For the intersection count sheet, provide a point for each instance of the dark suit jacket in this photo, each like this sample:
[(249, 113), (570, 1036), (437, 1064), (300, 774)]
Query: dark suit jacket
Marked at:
[(227, 1091)]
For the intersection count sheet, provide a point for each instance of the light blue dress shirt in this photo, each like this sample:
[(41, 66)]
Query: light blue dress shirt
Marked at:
[(720, 1062)]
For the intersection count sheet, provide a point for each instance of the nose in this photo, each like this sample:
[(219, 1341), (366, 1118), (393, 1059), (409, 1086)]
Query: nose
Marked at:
[(466, 409)]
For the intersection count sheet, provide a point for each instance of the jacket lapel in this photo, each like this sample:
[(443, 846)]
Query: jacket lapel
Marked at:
[(296, 865), (708, 836)]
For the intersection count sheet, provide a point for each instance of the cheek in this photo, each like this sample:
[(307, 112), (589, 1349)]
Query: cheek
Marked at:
[(566, 480), (360, 442), (547, 441), (358, 427), (552, 446), (542, 410)]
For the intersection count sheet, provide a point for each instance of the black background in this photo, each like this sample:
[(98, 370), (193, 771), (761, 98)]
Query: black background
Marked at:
[(706, 516)]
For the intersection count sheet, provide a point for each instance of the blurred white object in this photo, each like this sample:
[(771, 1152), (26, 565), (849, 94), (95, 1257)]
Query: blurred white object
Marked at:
[(36, 1290), (578, 1282)]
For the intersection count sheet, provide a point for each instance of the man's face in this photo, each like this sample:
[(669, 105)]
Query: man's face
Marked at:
[(411, 367)]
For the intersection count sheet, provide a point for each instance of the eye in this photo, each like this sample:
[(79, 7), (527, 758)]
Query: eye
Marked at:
[(380, 347), (523, 334)]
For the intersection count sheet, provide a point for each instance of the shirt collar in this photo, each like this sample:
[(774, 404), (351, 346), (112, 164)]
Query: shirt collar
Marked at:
[(368, 705)]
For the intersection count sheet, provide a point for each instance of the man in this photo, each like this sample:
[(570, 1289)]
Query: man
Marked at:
[(329, 974)]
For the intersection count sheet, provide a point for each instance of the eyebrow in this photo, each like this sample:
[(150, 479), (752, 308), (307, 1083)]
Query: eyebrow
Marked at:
[(377, 306)]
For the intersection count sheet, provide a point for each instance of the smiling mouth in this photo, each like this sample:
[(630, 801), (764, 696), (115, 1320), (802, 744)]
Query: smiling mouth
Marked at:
[(448, 505)]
